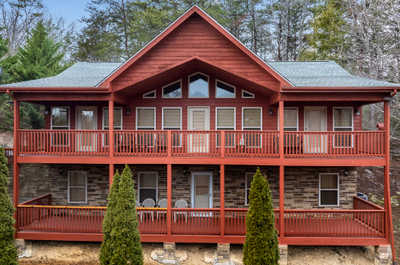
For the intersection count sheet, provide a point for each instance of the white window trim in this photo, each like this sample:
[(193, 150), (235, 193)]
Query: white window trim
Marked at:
[(352, 125), (261, 117), (338, 190), (51, 118), (297, 111), (103, 120), (145, 95), (139, 185), (225, 83), (69, 187), (155, 116), (247, 189), (208, 82), (162, 116), (210, 190), (216, 116), (176, 81), (246, 91)]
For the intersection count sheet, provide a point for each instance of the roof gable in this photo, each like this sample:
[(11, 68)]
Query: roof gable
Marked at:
[(193, 34)]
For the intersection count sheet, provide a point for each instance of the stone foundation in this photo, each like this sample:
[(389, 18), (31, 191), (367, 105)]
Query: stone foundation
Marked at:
[(301, 183), (383, 255)]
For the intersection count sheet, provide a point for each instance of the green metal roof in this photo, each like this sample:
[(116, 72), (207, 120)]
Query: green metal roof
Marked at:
[(323, 74), (299, 74)]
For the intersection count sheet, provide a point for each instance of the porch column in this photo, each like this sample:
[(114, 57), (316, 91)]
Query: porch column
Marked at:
[(169, 200), (110, 175), (387, 196), (111, 137), (281, 172), (15, 164), (222, 198)]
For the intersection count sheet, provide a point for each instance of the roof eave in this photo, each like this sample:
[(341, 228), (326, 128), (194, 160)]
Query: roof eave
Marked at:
[(361, 89), (54, 89)]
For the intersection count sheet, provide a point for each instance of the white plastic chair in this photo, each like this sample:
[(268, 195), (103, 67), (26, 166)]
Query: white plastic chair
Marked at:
[(148, 203), (181, 203), (162, 204)]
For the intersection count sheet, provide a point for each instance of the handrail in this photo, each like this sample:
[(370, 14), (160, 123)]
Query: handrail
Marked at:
[(47, 200), (359, 202)]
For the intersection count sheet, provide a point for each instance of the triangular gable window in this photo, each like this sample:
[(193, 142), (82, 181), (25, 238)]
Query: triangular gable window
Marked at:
[(247, 94), (150, 94)]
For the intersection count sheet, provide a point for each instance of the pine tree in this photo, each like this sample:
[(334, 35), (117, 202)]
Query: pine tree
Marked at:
[(8, 251), (122, 228), (107, 246), (39, 58), (261, 245)]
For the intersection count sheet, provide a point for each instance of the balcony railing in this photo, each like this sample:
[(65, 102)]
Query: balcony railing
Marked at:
[(227, 144)]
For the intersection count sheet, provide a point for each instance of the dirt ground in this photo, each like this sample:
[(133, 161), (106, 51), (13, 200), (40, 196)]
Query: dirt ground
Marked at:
[(57, 253)]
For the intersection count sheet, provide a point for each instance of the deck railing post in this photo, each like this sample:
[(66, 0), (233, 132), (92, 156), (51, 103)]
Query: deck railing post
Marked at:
[(169, 200), (222, 144), (15, 163), (111, 138), (169, 143), (222, 199), (387, 197)]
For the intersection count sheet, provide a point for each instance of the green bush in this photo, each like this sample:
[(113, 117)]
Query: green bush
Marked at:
[(121, 244), (261, 245), (8, 251)]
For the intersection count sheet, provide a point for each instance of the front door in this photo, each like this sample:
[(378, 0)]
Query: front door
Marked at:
[(315, 121), (198, 120), (201, 190), (86, 120)]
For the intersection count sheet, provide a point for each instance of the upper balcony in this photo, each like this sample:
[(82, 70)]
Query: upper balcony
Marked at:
[(300, 148)]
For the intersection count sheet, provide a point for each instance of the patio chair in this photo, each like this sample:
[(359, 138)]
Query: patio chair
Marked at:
[(181, 203), (148, 203), (162, 204)]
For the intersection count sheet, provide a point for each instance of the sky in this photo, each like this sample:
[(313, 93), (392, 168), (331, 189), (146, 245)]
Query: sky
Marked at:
[(70, 10)]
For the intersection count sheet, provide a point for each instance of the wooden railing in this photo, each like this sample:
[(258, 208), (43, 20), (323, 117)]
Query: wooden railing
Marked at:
[(9, 151), (334, 223), (361, 204), (41, 200), (188, 221), (153, 143), (63, 142), (334, 143)]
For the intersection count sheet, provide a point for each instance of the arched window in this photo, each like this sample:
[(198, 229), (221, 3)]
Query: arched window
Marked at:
[(198, 86)]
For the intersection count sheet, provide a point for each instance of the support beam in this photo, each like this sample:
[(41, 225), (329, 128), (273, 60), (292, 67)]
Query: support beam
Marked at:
[(281, 202), (169, 200), (222, 197), (111, 126), (281, 131), (387, 196), (15, 163), (110, 175)]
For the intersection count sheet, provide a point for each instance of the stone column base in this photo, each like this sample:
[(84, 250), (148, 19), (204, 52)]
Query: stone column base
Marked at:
[(383, 255), (283, 253), (223, 254), (24, 248)]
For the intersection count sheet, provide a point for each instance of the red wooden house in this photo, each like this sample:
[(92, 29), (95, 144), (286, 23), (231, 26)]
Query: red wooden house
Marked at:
[(194, 113)]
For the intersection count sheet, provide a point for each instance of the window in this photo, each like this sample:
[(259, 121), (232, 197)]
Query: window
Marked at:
[(59, 121), (329, 189), (224, 90), (60, 118), (225, 120), (173, 90), (77, 186), (145, 118), (343, 122), (150, 94), (198, 86), (172, 120), (291, 119), (117, 118), (251, 120), (148, 186), (247, 94), (248, 179)]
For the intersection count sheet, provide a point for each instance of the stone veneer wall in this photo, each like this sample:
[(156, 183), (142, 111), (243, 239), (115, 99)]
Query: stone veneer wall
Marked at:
[(301, 183)]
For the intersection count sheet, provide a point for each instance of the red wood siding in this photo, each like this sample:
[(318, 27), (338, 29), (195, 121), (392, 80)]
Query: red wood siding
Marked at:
[(195, 37)]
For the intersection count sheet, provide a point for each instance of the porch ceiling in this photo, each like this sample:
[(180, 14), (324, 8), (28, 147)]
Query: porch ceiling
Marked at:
[(196, 64)]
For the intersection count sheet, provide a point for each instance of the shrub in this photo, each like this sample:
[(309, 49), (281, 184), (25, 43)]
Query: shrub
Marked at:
[(261, 245), (8, 251), (121, 228)]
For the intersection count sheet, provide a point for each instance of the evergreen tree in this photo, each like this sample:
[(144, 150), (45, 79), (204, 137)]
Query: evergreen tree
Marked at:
[(261, 245), (8, 251), (122, 229), (39, 58), (107, 246)]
